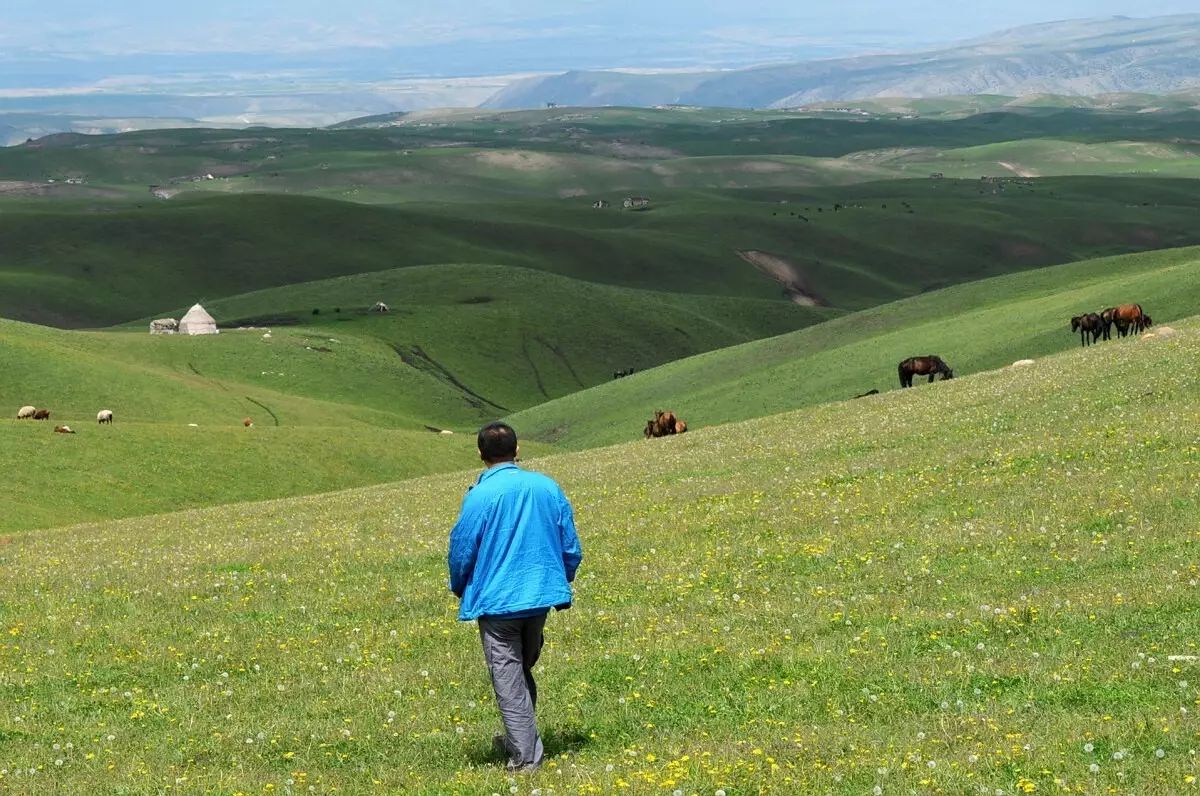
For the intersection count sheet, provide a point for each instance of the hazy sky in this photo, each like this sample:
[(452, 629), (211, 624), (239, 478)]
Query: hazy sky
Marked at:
[(290, 26)]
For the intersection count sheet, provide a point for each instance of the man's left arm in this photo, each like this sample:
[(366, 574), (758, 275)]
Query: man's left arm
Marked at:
[(572, 550)]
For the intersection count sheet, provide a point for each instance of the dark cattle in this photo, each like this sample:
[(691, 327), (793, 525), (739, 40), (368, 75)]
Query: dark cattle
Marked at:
[(1090, 328), (929, 366), (41, 414)]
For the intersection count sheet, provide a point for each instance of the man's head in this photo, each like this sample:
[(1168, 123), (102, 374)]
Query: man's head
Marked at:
[(497, 443)]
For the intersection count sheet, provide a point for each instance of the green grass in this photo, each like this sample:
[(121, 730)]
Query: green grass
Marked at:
[(322, 421), (74, 265), (137, 468), (972, 586), (977, 326), (341, 399), (517, 337), (515, 189)]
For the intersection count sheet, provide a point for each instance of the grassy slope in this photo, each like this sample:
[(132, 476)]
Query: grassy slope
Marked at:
[(976, 326), (73, 265), (517, 337), (336, 427), (334, 404), (516, 189), (973, 587)]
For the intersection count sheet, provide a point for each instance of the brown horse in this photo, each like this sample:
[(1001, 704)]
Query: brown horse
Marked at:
[(923, 366), (1108, 318), (1129, 317), (665, 421), (664, 424), (1090, 327)]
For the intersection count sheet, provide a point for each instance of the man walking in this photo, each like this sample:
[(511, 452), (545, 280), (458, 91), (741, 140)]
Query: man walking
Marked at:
[(513, 555)]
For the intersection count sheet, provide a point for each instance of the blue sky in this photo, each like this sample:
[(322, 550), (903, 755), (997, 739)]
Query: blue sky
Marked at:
[(685, 29)]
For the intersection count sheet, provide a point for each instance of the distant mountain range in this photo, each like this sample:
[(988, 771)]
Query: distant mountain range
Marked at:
[(1075, 58)]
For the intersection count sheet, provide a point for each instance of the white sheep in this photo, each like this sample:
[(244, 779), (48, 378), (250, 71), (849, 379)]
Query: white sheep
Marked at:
[(26, 412), (104, 416)]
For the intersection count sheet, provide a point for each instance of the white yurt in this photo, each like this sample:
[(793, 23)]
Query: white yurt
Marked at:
[(198, 321)]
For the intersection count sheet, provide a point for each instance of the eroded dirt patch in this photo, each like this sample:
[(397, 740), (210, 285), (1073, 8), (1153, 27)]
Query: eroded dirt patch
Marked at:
[(789, 276), (1019, 170), (519, 160)]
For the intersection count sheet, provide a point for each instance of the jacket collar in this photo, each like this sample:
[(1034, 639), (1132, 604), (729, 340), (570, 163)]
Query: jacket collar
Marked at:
[(489, 472)]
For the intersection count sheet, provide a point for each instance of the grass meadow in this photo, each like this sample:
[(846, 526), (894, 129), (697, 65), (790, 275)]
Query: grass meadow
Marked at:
[(335, 405), (846, 200), (984, 586), (976, 326), (981, 586)]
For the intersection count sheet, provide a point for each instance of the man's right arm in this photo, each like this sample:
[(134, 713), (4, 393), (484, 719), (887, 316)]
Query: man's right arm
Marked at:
[(464, 546)]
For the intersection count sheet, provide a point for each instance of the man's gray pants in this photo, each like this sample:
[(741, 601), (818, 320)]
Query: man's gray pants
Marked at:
[(511, 648)]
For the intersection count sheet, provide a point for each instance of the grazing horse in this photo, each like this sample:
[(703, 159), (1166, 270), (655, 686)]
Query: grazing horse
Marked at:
[(1128, 317), (665, 422), (923, 366), (1090, 324), (1108, 317)]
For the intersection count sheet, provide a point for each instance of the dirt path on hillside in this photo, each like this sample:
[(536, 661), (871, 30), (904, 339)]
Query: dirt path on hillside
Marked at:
[(789, 276), (1017, 169)]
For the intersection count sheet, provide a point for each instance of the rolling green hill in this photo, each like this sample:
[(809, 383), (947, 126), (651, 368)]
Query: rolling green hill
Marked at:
[(501, 337), (851, 246), (978, 326), (989, 586), (839, 207), (322, 422), (339, 398)]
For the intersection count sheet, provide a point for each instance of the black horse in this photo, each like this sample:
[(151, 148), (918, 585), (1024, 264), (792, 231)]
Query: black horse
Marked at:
[(1090, 327), (929, 366)]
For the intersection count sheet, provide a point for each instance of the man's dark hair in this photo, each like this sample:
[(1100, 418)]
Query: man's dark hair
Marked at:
[(497, 442)]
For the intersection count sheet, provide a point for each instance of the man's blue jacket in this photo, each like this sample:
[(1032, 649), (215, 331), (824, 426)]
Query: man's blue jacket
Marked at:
[(514, 548)]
